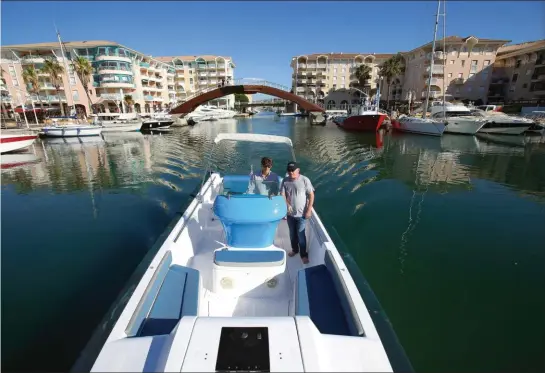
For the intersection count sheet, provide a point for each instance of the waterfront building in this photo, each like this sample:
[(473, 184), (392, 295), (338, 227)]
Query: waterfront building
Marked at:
[(153, 83), (316, 75), (196, 73), (518, 73)]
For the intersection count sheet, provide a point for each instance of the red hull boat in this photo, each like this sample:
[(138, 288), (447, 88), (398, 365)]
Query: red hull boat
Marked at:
[(365, 123)]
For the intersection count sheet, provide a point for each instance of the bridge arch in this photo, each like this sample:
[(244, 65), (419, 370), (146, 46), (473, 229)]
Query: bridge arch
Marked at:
[(246, 86)]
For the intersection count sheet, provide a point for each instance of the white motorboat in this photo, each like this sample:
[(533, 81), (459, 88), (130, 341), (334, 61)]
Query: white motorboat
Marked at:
[(206, 112), (499, 123), (281, 113), (113, 122), (71, 130), (221, 294), (159, 121), (16, 141), (423, 126), (458, 117)]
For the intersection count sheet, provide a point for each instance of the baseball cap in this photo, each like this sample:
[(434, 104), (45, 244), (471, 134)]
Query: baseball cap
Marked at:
[(292, 166)]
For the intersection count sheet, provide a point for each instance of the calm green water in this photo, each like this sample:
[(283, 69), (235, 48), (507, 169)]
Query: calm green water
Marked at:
[(449, 232)]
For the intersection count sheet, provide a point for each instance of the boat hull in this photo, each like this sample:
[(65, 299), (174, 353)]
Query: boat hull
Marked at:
[(505, 128), (17, 159), (157, 125), (11, 143), (75, 131), (363, 123), (463, 126), (420, 127), (121, 127)]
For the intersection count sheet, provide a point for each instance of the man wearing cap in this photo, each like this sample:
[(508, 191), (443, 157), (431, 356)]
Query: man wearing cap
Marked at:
[(299, 194)]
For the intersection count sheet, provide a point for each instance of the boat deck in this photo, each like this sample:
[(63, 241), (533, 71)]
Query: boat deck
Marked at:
[(261, 301)]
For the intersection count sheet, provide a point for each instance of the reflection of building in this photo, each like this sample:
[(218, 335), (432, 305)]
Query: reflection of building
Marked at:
[(467, 63), (194, 73), (518, 73), (153, 83), (314, 75)]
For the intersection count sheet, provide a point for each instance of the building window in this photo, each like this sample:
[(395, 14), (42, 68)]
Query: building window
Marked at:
[(452, 62), (334, 78), (12, 72), (343, 70), (335, 70), (463, 63), (486, 62), (342, 78), (460, 75), (75, 95), (342, 85), (515, 78), (449, 75)]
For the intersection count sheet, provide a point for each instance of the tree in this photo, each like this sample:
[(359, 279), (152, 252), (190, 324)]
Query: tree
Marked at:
[(391, 68), (363, 74), (55, 70), (83, 68), (241, 97), (30, 77), (129, 101)]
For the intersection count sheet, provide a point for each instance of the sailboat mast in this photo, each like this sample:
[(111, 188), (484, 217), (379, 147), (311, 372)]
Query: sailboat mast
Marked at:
[(66, 71), (424, 114), (444, 52)]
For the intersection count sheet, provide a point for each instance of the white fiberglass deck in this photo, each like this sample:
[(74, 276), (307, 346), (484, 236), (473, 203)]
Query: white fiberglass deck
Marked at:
[(261, 301)]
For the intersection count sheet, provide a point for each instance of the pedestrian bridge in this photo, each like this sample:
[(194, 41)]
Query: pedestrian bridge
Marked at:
[(246, 86)]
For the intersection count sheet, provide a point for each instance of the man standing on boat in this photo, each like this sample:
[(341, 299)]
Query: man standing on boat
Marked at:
[(266, 182), (299, 194)]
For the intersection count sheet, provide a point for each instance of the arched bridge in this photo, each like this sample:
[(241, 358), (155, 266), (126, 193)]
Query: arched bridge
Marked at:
[(247, 86)]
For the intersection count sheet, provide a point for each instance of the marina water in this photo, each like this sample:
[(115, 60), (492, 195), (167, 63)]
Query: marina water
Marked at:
[(447, 231)]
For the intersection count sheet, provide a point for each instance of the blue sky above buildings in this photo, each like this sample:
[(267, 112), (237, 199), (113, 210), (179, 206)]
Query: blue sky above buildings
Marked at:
[(263, 36)]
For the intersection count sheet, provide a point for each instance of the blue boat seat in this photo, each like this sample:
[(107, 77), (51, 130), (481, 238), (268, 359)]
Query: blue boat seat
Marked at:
[(319, 297), (250, 220), (177, 296), (249, 258)]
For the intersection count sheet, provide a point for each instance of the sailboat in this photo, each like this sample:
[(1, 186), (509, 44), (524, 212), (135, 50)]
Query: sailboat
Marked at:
[(423, 125), (69, 130)]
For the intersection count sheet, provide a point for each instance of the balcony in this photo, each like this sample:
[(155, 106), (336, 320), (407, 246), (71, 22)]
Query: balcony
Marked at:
[(113, 70), (144, 65), (55, 98), (311, 66), (27, 60), (6, 98), (437, 70), (221, 66), (300, 89), (110, 96), (301, 81), (115, 84), (437, 55), (111, 57), (203, 74), (537, 78), (434, 81), (214, 82), (301, 66), (213, 74), (48, 86)]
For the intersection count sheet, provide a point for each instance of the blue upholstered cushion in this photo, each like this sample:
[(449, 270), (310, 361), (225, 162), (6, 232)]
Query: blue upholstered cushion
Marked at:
[(320, 301), (249, 258), (177, 297)]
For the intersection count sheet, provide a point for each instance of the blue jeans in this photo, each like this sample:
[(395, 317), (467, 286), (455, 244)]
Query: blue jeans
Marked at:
[(297, 235)]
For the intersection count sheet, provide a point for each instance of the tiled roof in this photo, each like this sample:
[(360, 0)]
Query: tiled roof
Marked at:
[(72, 44), (459, 39), (516, 49)]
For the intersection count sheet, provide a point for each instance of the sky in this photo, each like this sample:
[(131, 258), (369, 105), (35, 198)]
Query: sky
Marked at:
[(262, 37)]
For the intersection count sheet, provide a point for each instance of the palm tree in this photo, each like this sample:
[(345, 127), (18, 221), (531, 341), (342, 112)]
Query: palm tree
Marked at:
[(31, 79), (391, 68), (3, 108), (84, 70), (55, 71), (363, 74), (129, 101)]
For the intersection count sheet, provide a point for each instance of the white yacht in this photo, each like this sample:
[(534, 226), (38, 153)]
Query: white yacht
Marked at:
[(208, 112), (118, 122), (459, 118), (222, 295), (502, 124), (158, 121)]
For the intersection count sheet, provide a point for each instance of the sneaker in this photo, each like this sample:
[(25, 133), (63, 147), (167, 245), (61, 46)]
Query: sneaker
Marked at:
[(291, 254), (305, 260)]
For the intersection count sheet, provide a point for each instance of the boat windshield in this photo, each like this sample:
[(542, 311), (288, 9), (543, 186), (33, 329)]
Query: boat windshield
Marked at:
[(240, 165)]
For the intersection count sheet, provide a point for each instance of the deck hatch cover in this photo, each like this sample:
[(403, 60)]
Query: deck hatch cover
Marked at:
[(243, 349)]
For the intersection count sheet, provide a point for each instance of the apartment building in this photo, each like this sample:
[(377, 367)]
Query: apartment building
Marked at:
[(119, 71), (518, 73), (462, 69), (195, 73), (316, 75)]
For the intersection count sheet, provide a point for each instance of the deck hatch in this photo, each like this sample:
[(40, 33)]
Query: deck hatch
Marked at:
[(243, 349)]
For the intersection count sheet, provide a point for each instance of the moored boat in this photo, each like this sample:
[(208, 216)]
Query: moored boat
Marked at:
[(422, 126), (221, 293), (366, 119), (458, 117), (73, 130), (15, 142)]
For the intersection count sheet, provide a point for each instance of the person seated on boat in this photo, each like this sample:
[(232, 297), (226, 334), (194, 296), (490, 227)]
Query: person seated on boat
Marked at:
[(264, 182)]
